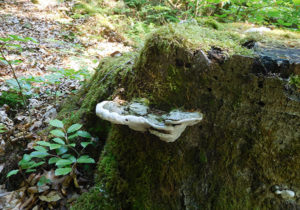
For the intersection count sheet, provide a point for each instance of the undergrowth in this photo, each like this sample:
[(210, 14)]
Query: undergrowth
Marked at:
[(133, 20)]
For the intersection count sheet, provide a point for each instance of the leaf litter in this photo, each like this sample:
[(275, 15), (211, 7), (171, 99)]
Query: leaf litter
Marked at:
[(58, 48)]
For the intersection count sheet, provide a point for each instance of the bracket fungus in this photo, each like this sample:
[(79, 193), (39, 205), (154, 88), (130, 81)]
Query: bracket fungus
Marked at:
[(167, 126), (285, 194)]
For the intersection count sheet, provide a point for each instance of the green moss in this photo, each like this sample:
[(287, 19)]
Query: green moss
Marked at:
[(109, 76), (273, 38), (229, 39), (209, 22), (285, 168), (140, 178), (163, 78), (193, 37)]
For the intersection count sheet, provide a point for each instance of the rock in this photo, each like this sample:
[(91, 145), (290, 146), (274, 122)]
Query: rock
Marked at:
[(34, 103), (50, 113), (258, 30), (5, 119)]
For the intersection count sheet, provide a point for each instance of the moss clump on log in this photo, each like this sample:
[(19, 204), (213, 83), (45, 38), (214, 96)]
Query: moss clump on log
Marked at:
[(109, 77), (246, 146)]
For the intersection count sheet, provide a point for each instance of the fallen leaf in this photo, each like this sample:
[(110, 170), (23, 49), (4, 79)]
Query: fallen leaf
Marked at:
[(53, 196)]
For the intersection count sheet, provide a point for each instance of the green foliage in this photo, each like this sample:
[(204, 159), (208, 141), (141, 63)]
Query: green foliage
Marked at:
[(10, 38), (11, 98), (136, 18), (211, 23), (14, 86), (135, 3), (158, 14), (73, 128), (57, 123), (2, 128), (295, 80), (12, 42), (282, 13), (28, 85), (61, 151), (13, 172), (63, 171), (22, 88), (85, 159), (69, 74), (42, 181)]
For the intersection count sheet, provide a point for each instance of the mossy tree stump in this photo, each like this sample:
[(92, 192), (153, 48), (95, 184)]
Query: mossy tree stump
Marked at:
[(246, 147)]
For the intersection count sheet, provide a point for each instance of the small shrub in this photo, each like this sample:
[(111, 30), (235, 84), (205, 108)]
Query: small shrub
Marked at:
[(61, 151)]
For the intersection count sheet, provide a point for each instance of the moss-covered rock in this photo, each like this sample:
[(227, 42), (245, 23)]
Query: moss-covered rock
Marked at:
[(246, 147)]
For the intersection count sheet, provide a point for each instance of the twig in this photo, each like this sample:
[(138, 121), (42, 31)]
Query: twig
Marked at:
[(172, 5), (196, 8)]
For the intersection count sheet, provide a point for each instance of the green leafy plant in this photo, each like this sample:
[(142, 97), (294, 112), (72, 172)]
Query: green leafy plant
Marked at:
[(11, 98), (295, 80), (2, 128), (50, 81), (69, 74), (61, 151), (13, 42), (158, 14), (283, 13), (135, 3), (42, 181)]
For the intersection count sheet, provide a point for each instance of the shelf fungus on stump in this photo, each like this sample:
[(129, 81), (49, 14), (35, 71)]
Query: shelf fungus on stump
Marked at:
[(167, 126)]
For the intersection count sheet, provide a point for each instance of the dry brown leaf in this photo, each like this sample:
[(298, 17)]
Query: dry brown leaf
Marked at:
[(53, 196), (32, 190)]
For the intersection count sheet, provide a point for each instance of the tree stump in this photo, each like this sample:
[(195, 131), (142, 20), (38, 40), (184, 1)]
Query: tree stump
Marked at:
[(244, 154)]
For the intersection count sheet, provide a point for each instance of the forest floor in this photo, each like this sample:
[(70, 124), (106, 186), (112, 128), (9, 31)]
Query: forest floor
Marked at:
[(69, 45), (61, 58)]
